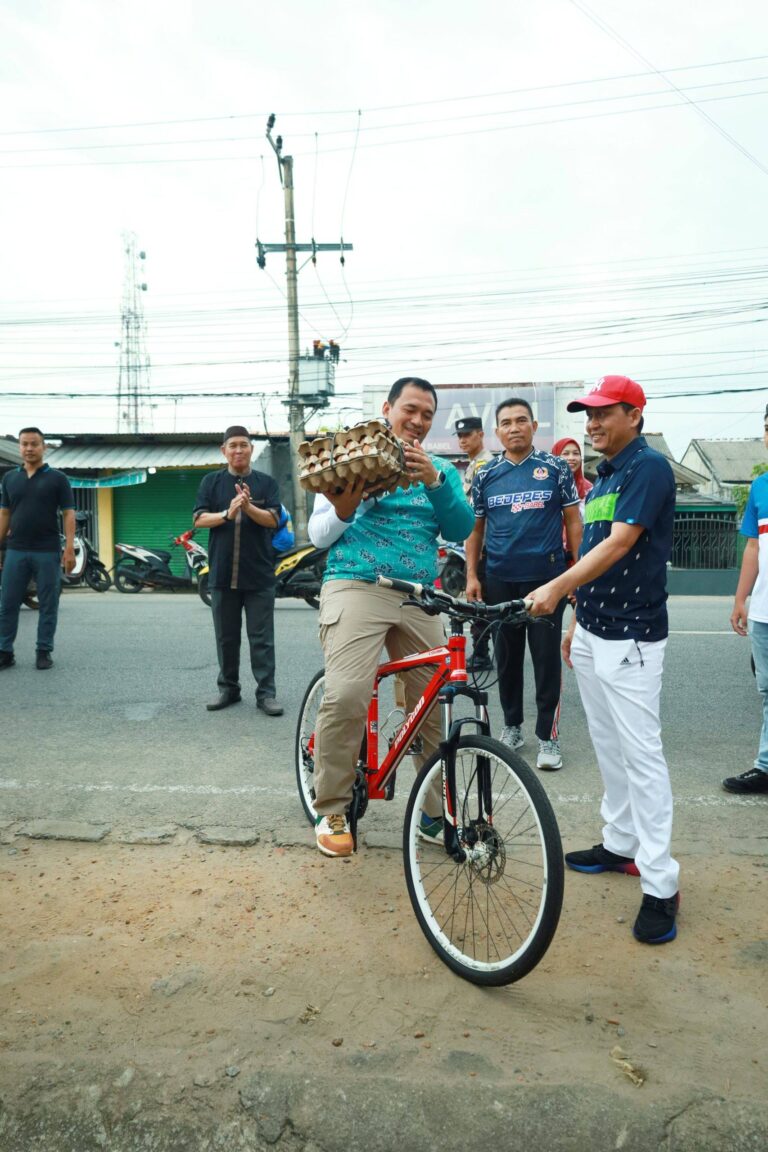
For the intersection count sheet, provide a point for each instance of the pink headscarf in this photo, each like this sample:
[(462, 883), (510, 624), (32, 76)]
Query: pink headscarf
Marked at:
[(582, 484)]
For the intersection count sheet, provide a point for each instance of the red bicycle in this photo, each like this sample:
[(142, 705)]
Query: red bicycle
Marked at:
[(488, 893)]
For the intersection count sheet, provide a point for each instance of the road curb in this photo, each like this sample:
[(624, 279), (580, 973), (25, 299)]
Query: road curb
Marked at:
[(126, 1112)]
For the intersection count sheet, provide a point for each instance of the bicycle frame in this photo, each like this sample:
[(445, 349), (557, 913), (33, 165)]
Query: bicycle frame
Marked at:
[(449, 680)]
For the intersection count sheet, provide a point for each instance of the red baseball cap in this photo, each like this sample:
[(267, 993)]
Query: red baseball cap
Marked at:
[(610, 390)]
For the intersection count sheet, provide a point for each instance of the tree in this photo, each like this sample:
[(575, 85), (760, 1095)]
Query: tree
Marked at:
[(741, 491)]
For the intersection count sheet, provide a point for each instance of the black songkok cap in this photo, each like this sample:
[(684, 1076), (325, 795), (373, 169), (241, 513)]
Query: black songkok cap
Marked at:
[(236, 430)]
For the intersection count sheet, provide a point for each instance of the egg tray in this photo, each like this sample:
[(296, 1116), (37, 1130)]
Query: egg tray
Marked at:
[(370, 449)]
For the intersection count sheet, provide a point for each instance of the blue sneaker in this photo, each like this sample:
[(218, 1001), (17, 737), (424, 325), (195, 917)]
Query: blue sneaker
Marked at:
[(599, 859), (655, 922), (431, 829)]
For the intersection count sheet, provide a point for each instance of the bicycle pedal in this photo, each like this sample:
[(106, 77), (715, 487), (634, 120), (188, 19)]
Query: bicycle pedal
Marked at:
[(416, 747)]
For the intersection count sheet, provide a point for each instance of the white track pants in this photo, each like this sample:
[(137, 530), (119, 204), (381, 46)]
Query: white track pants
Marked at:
[(620, 686)]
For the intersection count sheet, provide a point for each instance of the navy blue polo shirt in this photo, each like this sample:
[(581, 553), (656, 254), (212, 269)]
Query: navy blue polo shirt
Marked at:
[(34, 502), (522, 505), (629, 601)]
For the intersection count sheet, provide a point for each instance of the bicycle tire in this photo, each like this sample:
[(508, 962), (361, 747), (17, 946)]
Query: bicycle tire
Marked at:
[(491, 917), (304, 745)]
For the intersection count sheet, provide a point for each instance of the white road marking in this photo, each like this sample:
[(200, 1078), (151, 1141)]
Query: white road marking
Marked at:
[(714, 800)]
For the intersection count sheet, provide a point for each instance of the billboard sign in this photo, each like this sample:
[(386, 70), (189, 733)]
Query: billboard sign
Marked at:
[(456, 401)]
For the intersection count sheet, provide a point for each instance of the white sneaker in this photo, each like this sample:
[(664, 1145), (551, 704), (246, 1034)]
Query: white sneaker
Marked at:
[(333, 835), (550, 757), (512, 736)]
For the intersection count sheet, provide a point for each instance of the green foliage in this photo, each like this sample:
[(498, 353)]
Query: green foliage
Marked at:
[(741, 491)]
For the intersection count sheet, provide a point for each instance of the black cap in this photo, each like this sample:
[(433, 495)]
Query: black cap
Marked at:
[(236, 430), (468, 424)]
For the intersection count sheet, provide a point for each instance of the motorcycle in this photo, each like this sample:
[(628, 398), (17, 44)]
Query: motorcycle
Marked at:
[(452, 569), (299, 574), (88, 568), (139, 567)]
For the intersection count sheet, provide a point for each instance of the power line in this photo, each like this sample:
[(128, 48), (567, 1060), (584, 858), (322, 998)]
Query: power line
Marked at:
[(606, 27), (380, 108)]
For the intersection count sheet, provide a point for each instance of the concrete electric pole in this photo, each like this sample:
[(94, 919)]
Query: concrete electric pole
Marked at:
[(295, 402)]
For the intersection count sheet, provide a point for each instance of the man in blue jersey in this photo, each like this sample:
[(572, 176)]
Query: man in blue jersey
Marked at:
[(521, 500), (395, 535), (616, 646), (753, 582)]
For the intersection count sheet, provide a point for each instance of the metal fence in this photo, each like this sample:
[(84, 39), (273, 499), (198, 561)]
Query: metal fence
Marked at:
[(704, 541)]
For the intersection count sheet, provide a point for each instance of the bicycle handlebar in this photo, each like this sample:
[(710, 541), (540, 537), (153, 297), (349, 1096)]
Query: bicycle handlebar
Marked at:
[(471, 609)]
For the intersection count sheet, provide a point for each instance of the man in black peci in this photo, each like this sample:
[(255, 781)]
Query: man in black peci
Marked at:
[(241, 508)]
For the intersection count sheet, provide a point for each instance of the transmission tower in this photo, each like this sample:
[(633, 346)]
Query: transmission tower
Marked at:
[(134, 413)]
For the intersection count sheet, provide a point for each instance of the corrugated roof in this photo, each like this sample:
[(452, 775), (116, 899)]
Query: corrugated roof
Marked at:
[(684, 477), (732, 461), (100, 456), (9, 451)]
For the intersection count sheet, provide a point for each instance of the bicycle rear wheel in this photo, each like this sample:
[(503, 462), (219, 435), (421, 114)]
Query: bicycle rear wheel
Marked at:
[(305, 744), (492, 916)]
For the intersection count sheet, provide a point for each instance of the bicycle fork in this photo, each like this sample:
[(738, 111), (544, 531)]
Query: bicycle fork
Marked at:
[(451, 733)]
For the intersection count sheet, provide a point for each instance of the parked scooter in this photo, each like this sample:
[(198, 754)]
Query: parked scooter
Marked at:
[(88, 568), (139, 567), (299, 574)]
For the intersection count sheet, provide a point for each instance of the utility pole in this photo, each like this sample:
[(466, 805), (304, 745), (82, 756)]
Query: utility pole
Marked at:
[(295, 402)]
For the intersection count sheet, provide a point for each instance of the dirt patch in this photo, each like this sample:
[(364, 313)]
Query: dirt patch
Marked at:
[(194, 965)]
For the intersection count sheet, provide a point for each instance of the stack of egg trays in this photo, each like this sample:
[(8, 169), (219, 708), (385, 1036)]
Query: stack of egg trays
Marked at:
[(330, 463)]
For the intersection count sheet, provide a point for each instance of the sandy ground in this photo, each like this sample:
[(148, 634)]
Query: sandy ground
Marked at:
[(193, 965)]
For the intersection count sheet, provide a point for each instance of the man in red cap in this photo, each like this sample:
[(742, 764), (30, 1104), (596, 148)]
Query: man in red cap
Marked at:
[(616, 646)]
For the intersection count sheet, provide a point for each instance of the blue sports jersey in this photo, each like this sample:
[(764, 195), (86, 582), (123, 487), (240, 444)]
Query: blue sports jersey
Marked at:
[(522, 506), (755, 525), (629, 601)]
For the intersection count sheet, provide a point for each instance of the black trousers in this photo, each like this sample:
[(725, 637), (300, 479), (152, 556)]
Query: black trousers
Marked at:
[(227, 606), (478, 629), (544, 641)]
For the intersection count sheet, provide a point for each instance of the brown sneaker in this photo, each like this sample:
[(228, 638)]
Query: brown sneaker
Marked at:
[(333, 835)]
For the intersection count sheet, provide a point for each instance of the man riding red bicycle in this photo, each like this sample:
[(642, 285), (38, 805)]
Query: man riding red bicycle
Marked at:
[(394, 535)]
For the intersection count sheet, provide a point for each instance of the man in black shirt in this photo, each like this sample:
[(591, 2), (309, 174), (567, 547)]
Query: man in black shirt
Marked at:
[(242, 509), (31, 498)]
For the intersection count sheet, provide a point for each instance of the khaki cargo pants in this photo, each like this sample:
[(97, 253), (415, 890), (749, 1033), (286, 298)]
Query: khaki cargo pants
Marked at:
[(358, 620)]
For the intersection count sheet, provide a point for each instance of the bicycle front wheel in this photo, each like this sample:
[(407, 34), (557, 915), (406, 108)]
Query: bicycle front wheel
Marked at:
[(492, 916), (305, 744)]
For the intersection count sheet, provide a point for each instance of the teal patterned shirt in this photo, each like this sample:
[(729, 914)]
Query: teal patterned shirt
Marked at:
[(396, 535)]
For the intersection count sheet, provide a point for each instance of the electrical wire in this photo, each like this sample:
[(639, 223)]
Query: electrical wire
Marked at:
[(605, 27)]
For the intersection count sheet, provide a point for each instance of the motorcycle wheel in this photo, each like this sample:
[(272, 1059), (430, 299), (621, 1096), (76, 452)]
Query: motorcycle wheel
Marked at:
[(97, 577), (125, 582), (30, 597), (313, 601), (203, 590), (453, 578)]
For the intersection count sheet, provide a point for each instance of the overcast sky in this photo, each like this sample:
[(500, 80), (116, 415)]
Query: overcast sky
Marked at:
[(548, 191)]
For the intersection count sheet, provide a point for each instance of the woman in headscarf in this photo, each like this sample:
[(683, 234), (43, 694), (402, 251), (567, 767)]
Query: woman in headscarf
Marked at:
[(570, 451)]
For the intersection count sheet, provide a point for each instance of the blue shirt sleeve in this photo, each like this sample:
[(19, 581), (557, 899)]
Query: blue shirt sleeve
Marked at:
[(645, 492), (749, 526), (452, 509), (477, 497), (568, 491)]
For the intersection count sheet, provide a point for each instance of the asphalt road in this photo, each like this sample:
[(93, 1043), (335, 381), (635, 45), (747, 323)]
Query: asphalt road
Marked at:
[(117, 731)]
